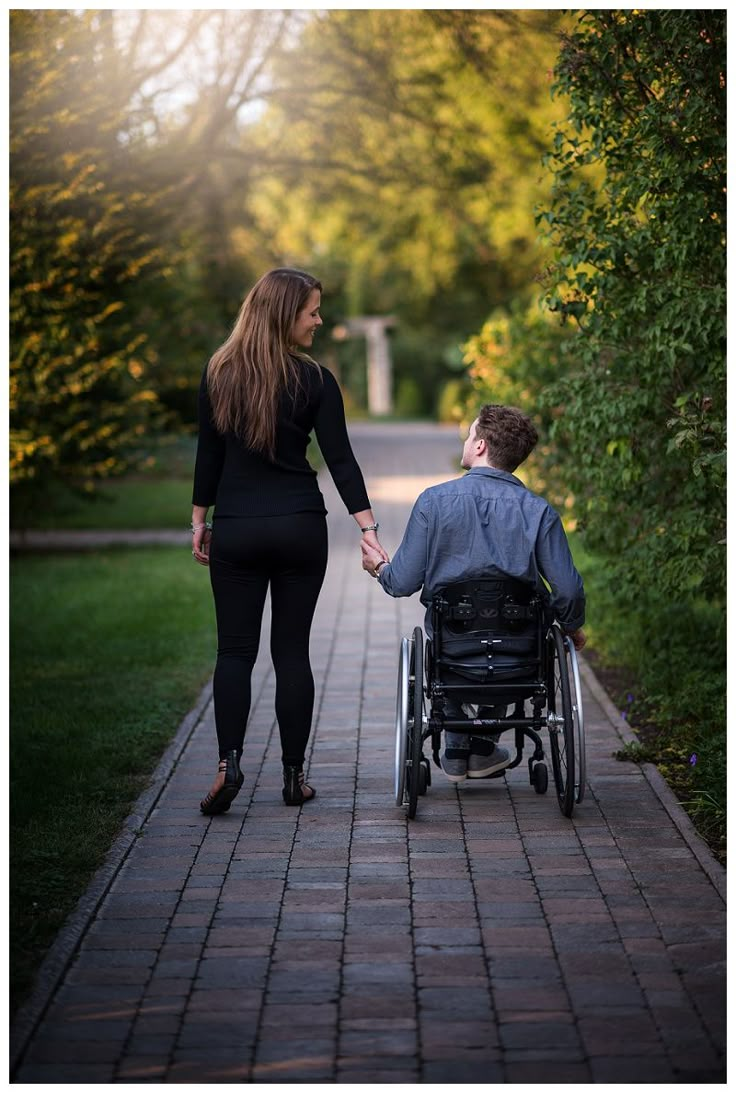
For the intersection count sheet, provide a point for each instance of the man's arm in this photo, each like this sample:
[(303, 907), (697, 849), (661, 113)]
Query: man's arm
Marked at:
[(404, 575), (558, 569)]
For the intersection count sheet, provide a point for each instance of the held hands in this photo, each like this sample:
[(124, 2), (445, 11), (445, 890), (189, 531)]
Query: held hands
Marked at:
[(370, 539), (372, 557)]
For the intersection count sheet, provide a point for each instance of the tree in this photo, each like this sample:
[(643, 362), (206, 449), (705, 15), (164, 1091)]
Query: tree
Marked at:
[(404, 151), (640, 278), (77, 396), (119, 254)]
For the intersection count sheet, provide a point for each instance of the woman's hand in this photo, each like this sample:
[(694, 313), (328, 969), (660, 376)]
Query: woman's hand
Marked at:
[(201, 545), (201, 535)]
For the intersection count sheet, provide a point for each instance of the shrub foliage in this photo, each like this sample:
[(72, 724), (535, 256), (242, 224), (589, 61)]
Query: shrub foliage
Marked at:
[(78, 216), (638, 222), (628, 379)]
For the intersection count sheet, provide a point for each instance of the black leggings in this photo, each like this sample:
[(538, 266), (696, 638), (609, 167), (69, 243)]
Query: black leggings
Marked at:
[(246, 555)]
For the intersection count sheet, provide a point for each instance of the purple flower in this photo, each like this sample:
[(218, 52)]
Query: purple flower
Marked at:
[(623, 714), (693, 760), (629, 698)]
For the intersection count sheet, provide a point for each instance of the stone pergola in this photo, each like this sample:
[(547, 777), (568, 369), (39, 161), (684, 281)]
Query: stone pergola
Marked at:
[(378, 356)]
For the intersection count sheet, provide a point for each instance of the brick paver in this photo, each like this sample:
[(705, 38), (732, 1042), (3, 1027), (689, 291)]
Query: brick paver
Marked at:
[(489, 940)]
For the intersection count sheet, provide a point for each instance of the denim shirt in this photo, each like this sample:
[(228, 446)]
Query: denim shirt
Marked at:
[(485, 524)]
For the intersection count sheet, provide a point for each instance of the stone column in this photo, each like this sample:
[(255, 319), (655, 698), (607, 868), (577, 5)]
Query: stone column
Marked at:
[(378, 352)]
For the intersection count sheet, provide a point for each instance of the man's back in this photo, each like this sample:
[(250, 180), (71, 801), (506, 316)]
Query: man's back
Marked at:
[(481, 525)]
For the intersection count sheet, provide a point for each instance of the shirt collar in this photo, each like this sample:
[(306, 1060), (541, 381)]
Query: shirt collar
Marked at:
[(493, 472)]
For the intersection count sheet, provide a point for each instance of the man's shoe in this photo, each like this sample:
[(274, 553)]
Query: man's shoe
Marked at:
[(454, 763), (480, 766)]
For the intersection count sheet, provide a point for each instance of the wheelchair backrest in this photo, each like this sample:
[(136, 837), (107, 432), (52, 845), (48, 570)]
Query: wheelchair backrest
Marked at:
[(502, 604), (488, 629)]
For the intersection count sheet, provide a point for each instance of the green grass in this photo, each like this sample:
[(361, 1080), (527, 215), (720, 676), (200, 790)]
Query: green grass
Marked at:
[(109, 652), (664, 665), (124, 503)]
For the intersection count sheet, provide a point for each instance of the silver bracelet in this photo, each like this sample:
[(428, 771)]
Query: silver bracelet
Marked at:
[(371, 527), (198, 527)]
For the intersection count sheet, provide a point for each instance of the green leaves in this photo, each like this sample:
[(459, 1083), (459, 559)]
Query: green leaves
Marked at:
[(636, 411)]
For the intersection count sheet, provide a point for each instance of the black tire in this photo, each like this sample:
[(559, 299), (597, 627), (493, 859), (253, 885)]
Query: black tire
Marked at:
[(540, 778), (423, 783), (560, 721), (416, 709)]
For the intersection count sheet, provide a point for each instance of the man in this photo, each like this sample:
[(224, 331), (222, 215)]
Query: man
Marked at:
[(485, 524)]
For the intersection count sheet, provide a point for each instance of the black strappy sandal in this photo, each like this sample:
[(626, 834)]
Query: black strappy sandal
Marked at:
[(215, 803), (294, 786)]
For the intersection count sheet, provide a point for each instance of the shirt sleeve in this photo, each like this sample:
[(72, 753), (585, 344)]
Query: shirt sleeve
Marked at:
[(404, 575), (332, 437), (210, 452), (558, 569)]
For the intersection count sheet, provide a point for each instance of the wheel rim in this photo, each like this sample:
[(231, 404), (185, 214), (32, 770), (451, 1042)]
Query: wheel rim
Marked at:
[(402, 722), (578, 717), (415, 718), (560, 724)]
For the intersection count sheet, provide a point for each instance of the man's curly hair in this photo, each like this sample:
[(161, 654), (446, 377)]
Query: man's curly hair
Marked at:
[(509, 434)]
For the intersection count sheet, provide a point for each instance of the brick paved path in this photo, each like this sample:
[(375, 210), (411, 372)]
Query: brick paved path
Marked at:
[(489, 940)]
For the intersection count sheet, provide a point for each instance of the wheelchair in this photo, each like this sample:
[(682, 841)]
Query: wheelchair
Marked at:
[(494, 645)]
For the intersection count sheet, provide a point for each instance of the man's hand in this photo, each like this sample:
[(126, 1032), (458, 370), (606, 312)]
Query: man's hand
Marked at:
[(578, 638), (371, 557)]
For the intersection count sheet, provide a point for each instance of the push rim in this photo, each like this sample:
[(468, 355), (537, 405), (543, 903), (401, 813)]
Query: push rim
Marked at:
[(416, 707), (402, 722), (578, 717), (560, 723)]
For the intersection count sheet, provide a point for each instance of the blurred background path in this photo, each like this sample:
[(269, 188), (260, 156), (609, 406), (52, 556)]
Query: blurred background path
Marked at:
[(489, 940)]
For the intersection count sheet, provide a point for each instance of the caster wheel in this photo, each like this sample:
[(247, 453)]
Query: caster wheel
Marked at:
[(540, 778), (423, 783)]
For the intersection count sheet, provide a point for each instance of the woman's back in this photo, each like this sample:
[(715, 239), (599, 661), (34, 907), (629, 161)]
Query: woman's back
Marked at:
[(241, 481)]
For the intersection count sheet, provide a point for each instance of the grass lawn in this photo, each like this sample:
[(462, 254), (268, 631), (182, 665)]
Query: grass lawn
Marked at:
[(160, 496), (109, 652)]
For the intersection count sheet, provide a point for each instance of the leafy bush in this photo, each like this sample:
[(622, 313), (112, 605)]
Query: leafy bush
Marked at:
[(79, 396), (452, 400), (628, 385), (638, 220)]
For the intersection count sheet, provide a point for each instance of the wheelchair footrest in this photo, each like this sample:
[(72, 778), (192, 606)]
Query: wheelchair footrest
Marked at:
[(491, 723)]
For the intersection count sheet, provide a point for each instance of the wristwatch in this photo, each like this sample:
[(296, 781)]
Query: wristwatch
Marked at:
[(371, 527), (377, 568)]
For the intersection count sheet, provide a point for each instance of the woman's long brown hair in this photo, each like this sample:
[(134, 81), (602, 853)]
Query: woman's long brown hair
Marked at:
[(247, 375)]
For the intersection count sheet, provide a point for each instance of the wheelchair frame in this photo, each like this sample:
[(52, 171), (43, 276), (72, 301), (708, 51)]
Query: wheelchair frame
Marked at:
[(554, 695)]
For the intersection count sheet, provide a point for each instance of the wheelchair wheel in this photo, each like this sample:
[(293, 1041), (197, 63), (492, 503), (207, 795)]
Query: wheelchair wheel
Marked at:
[(416, 772), (402, 720), (560, 721), (578, 717)]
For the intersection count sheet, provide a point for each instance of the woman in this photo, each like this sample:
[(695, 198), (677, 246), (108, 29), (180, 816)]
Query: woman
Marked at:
[(260, 397)]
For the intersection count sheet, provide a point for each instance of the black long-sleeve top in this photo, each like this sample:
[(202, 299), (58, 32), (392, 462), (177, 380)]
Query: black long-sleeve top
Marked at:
[(239, 481)]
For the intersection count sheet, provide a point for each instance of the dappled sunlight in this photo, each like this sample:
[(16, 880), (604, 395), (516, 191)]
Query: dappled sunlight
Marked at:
[(403, 488)]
